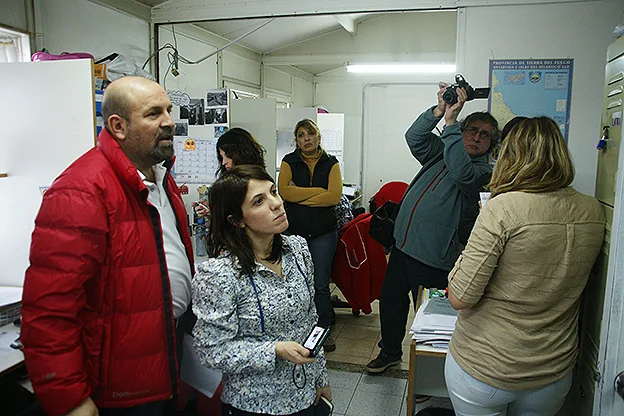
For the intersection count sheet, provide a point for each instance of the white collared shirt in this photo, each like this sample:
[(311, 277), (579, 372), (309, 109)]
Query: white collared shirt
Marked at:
[(175, 254)]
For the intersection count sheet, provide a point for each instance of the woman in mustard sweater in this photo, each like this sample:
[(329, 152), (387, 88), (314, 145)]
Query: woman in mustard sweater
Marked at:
[(310, 183)]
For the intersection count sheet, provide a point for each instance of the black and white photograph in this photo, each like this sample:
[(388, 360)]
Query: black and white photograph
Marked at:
[(216, 97), (181, 128), (216, 115), (194, 112)]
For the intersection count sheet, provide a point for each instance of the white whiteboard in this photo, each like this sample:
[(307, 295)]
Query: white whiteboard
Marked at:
[(48, 120)]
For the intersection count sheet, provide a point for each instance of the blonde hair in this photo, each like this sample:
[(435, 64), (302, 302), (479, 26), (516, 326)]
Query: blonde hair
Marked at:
[(534, 158)]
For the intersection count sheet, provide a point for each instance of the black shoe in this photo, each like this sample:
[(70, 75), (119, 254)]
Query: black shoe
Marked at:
[(421, 398), (382, 363), (330, 344)]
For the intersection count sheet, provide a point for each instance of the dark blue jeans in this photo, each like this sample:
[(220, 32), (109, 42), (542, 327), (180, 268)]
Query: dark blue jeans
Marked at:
[(404, 274), (322, 249)]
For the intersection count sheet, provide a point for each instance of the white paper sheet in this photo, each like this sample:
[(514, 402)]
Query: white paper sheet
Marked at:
[(202, 379)]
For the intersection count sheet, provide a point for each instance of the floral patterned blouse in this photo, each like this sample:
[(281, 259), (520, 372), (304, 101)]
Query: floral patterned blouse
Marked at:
[(240, 318)]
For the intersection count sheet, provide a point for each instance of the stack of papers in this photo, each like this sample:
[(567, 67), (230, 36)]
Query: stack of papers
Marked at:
[(434, 323), (10, 298), (10, 295)]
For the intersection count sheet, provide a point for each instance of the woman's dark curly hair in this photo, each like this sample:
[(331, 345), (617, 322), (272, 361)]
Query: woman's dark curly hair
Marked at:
[(240, 146)]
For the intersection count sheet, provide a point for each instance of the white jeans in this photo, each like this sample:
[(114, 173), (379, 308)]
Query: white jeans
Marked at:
[(471, 397)]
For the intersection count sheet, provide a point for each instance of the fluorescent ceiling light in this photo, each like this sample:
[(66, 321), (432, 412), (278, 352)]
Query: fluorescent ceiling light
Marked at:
[(401, 68)]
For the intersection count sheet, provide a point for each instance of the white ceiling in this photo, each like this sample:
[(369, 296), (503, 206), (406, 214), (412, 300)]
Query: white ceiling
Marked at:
[(295, 20), (281, 32)]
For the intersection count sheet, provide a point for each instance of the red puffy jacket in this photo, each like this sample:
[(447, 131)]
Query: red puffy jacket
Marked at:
[(97, 316)]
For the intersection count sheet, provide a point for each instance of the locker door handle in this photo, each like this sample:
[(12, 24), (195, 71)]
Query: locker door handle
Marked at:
[(614, 104), (619, 384), (615, 78), (615, 91)]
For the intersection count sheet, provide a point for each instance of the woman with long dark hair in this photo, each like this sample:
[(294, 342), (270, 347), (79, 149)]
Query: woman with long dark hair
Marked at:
[(235, 147), (238, 147), (254, 300)]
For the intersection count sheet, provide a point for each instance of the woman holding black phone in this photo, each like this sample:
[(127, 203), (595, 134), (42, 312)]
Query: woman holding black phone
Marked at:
[(254, 300)]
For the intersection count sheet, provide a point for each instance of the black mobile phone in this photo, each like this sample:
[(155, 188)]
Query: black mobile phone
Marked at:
[(314, 340)]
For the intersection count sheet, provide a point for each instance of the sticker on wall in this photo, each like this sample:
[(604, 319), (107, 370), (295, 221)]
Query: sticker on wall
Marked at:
[(189, 144), (179, 98), (616, 119)]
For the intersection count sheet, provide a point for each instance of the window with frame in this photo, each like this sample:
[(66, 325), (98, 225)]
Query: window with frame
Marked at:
[(14, 46)]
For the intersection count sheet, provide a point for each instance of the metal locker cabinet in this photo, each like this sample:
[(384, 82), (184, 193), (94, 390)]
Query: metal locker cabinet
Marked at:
[(589, 372)]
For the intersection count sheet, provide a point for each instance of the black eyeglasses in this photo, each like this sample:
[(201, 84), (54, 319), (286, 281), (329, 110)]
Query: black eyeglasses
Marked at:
[(483, 134)]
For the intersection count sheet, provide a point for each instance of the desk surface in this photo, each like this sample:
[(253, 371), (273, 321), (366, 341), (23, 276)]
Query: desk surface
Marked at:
[(427, 350), (9, 357)]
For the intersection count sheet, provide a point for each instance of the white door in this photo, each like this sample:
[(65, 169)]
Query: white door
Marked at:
[(389, 110)]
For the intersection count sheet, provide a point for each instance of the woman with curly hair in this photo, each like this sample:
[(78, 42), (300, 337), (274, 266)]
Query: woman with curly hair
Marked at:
[(235, 147)]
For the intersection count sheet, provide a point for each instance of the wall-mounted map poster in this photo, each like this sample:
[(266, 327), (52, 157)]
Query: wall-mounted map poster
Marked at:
[(531, 88)]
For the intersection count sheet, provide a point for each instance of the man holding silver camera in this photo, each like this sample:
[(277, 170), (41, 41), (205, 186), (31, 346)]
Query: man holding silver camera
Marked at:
[(437, 212)]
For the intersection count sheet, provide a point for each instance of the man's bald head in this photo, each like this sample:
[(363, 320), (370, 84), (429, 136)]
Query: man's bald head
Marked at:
[(120, 96)]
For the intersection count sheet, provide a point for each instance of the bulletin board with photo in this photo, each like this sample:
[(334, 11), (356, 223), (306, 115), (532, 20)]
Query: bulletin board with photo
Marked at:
[(201, 122), (216, 112)]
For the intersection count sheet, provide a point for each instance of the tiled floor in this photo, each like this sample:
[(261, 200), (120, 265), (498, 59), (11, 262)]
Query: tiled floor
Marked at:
[(357, 336), (366, 395), (358, 393)]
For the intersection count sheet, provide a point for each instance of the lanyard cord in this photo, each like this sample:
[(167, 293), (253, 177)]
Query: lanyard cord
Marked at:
[(261, 312), (253, 284), (294, 376)]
